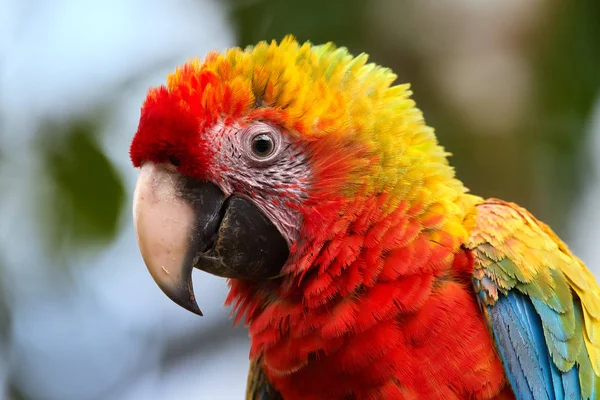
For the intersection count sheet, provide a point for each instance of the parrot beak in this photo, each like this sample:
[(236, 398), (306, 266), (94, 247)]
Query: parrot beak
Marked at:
[(182, 223)]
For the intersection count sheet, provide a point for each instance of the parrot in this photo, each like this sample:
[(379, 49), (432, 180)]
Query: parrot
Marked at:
[(361, 266)]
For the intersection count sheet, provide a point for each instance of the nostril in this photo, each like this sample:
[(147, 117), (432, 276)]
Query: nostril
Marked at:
[(175, 161)]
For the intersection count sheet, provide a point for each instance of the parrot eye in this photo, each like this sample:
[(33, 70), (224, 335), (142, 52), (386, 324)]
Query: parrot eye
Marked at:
[(263, 145), (261, 142)]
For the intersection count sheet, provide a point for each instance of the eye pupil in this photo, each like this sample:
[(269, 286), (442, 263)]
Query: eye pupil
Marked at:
[(262, 145), (175, 161)]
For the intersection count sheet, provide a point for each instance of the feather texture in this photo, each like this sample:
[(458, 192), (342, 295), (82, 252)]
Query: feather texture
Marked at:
[(367, 330), (398, 282), (259, 387), (540, 302)]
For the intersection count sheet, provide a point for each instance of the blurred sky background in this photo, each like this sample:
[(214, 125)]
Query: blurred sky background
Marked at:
[(511, 87)]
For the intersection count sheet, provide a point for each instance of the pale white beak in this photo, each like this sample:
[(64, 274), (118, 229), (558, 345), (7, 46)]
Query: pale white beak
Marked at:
[(164, 223)]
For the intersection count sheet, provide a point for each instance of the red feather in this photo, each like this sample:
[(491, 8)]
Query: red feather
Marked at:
[(368, 322)]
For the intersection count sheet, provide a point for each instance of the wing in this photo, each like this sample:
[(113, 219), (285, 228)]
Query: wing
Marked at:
[(541, 303), (258, 387)]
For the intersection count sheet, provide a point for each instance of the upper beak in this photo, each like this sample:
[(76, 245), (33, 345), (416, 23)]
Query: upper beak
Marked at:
[(182, 223)]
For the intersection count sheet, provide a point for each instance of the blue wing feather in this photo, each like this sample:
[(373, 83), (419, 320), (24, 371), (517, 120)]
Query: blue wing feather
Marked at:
[(517, 329), (540, 303)]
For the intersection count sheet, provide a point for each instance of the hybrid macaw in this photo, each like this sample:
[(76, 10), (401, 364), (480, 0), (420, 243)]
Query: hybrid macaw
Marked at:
[(360, 264)]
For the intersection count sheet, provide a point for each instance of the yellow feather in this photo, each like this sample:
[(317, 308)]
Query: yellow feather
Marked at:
[(540, 265)]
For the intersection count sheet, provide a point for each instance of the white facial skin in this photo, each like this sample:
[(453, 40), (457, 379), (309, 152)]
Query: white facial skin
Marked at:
[(273, 181)]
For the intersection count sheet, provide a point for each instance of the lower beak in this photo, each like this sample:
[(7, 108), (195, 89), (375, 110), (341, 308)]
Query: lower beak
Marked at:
[(182, 223)]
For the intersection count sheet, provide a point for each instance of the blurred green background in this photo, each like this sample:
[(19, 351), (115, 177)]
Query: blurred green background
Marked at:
[(511, 88)]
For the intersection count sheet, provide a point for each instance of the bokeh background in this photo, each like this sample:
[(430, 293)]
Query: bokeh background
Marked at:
[(511, 86)]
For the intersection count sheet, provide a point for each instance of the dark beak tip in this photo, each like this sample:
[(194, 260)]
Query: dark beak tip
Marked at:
[(186, 300), (198, 312), (194, 307), (191, 306)]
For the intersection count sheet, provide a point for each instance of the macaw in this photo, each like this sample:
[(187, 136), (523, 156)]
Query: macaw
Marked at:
[(360, 264)]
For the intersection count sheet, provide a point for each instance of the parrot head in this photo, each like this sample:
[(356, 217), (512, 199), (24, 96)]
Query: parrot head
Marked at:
[(251, 160)]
